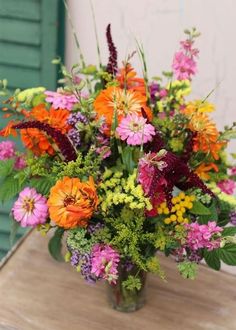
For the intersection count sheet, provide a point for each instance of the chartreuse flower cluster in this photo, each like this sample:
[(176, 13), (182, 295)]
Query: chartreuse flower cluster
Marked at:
[(181, 203), (119, 190)]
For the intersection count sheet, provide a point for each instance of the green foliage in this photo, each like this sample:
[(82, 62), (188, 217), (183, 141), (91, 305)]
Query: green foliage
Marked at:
[(229, 231), (132, 283), (153, 266), (228, 254), (9, 188), (128, 159), (188, 269), (199, 209), (212, 259), (6, 167), (55, 244), (42, 184), (77, 240), (212, 216)]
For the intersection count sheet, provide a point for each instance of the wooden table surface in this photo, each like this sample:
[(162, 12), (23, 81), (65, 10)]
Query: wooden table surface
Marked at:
[(37, 293)]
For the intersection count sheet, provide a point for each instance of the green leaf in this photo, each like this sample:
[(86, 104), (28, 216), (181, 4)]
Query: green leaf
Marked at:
[(42, 185), (229, 231), (6, 167), (9, 188), (127, 157), (14, 229), (228, 254), (228, 135), (199, 209), (55, 244), (212, 216), (187, 269), (212, 259)]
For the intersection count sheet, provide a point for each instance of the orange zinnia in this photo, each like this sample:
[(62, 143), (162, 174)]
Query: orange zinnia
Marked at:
[(123, 102), (38, 141), (127, 79), (71, 202), (207, 137)]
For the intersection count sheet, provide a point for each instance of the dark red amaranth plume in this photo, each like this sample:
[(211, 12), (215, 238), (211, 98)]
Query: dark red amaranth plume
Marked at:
[(176, 173), (112, 66), (61, 140), (189, 147)]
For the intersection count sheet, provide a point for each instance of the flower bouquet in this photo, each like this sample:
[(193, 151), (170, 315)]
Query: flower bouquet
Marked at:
[(122, 168)]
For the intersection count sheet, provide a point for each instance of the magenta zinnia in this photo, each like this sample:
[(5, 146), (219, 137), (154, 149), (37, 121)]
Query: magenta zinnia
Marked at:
[(30, 209), (135, 130)]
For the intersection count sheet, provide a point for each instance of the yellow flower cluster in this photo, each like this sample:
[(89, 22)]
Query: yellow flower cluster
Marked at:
[(181, 203), (118, 190)]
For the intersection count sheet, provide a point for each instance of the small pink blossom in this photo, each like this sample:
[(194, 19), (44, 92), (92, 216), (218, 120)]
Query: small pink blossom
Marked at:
[(30, 209), (135, 130), (233, 171), (203, 236), (60, 100), (7, 150), (227, 186), (20, 163), (105, 262), (183, 66)]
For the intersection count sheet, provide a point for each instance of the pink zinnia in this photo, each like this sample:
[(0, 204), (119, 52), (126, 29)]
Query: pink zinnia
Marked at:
[(203, 236), (7, 150), (30, 209), (105, 262), (227, 186), (183, 66), (135, 130), (60, 100)]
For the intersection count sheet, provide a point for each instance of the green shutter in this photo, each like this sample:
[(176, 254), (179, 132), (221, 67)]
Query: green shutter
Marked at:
[(29, 35)]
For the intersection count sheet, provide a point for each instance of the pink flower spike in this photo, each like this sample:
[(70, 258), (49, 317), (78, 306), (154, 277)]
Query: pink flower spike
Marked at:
[(7, 150), (183, 66), (60, 100), (227, 186), (30, 209), (135, 130)]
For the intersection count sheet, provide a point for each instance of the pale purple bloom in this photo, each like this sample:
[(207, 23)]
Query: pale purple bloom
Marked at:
[(233, 218), (105, 262), (135, 130), (30, 209), (227, 186), (74, 136), (203, 236), (76, 117), (7, 150), (60, 100)]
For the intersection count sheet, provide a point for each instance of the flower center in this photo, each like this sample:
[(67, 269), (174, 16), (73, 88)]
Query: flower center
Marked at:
[(28, 204), (136, 127), (69, 200)]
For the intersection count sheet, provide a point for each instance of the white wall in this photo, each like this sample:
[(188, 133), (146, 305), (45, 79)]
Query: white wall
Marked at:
[(159, 24)]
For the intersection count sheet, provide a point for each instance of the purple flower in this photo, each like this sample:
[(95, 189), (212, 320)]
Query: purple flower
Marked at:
[(233, 218), (75, 118), (74, 136)]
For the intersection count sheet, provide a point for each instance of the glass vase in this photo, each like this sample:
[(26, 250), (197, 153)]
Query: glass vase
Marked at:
[(123, 299)]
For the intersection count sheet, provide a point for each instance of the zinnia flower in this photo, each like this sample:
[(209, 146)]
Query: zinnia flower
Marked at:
[(72, 202), (135, 130), (115, 100), (105, 262), (61, 100), (7, 150), (30, 209)]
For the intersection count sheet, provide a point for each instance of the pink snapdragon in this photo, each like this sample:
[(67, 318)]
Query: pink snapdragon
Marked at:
[(61, 100), (203, 236), (135, 130), (105, 262), (227, 186), (30, 209), (7, 150)]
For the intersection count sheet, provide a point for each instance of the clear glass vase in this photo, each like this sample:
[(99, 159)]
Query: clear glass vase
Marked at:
[(124, 300)]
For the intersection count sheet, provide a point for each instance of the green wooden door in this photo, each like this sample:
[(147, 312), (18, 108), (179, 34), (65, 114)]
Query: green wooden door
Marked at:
[(31, 35)]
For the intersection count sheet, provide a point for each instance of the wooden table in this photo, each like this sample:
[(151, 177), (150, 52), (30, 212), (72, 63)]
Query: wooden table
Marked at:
[(37, 293)]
